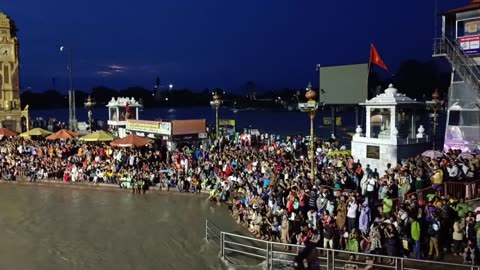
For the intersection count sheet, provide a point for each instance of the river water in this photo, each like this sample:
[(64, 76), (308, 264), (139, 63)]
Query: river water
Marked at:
[(61, 228)]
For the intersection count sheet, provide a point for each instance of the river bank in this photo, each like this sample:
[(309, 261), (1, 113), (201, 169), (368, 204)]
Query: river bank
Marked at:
[(96, 186)]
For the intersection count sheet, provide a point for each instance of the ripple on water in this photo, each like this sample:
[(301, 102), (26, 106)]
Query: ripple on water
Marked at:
[(61, 228)]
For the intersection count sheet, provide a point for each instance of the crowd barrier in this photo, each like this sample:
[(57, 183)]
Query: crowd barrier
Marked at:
[(466, 190), (243, 250)]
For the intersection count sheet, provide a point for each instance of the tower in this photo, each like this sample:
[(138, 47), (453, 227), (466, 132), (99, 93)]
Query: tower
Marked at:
[(10, 110), (460, 45)]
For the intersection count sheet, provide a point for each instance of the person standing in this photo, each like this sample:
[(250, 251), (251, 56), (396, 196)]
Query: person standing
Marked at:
[(415, 233), (352, 214), (458, 231), (434, 232)]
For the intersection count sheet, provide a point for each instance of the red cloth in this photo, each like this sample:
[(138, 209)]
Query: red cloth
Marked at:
[(375, 58)]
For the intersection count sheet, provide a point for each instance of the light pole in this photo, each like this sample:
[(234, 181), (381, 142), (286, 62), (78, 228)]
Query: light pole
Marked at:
[(436, 107), (310, 107), (215, 103), (71, 93), (89, 104), (170, 86)]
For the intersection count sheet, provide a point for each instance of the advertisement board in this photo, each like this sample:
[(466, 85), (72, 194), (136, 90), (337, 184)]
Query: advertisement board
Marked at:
[(155, 127), (339, 91), (470, 44), (468, 34), (226, 122)]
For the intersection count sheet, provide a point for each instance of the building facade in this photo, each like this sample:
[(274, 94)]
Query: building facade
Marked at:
[(460, 45), (11, 113)]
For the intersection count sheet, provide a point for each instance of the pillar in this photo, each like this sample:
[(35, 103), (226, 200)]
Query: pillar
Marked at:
[(393, 120), (333, 119), (356, 116), (367, 122)]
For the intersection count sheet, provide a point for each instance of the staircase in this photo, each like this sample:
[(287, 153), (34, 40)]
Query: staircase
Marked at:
[(463, 64)]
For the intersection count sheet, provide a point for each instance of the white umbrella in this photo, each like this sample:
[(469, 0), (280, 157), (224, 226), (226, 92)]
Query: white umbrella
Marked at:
[(465, 155), (432, 154)]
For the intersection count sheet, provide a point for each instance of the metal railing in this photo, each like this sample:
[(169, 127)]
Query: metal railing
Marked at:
[(244, 250), (465, 66)]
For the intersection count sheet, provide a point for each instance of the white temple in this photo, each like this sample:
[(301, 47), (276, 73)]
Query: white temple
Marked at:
[(118, 115), (393, 121)]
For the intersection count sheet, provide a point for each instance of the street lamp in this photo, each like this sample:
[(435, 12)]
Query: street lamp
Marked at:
[(170, 86), (89, 104), (71, 93), (215, 103), (436, 106), (310, 107)]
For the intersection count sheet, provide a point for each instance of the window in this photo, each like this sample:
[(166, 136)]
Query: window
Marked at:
[(464, 118)]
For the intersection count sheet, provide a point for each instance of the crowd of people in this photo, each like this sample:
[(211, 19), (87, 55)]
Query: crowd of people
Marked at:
[(269, 188)]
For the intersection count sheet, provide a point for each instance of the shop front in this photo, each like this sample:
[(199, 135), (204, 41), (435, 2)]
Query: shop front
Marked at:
[(190, 133), (175, 134)]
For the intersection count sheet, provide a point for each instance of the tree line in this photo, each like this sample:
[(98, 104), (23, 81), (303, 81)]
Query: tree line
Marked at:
[(415, 79)]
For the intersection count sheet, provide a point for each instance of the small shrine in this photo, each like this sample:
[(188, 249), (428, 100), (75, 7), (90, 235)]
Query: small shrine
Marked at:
[(394, 130), (119, 111)]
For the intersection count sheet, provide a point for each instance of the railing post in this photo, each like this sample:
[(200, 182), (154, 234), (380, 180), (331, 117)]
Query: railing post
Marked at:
[(333, 258), (267, 256), (206, 229), (328, 261), (222, 245)]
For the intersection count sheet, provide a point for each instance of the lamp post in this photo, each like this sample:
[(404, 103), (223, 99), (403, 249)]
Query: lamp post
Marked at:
[(89, 104), (436, 107), (71, 93), (310, 107), (215, 103)]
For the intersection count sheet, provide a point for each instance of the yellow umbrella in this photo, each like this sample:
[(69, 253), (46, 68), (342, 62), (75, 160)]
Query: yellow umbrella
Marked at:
[(334, 153), (339, 153), (98, 136), (35, 132)]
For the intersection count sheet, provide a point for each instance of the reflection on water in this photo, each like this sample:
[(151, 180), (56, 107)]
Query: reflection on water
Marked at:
[(55, 228), (293, 122)]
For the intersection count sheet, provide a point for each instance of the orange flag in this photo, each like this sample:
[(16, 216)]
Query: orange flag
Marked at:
[(375, 58)]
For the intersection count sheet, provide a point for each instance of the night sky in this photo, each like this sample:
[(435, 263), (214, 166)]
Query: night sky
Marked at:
[(206, 44)]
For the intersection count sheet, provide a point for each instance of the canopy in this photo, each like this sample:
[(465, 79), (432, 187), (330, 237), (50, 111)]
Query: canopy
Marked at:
[(35, 132), (98, 136), (432, 154), (62, 134), (7, 132), (340, 153), (131, 140)]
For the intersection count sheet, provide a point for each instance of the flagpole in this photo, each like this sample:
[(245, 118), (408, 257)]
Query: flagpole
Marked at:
[(369, 67)]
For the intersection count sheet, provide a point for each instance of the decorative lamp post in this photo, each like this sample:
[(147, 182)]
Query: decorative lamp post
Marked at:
[(89, 104), (436, 107), (310, 107), (215, 103)]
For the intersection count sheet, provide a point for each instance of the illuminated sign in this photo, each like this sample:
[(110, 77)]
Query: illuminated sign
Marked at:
[(164, 128), (227, 122)]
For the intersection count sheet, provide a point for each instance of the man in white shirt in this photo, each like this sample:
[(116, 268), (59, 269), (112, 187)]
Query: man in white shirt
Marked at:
[(371, 183), (352, 214)]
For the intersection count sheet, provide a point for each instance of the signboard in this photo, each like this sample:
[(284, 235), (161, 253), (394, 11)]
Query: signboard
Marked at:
[(226, 122), (468, 34), (327, 121), (155, 127), (338, 90), (373, 151), (165, 128), (471, 27), (470, 44)]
